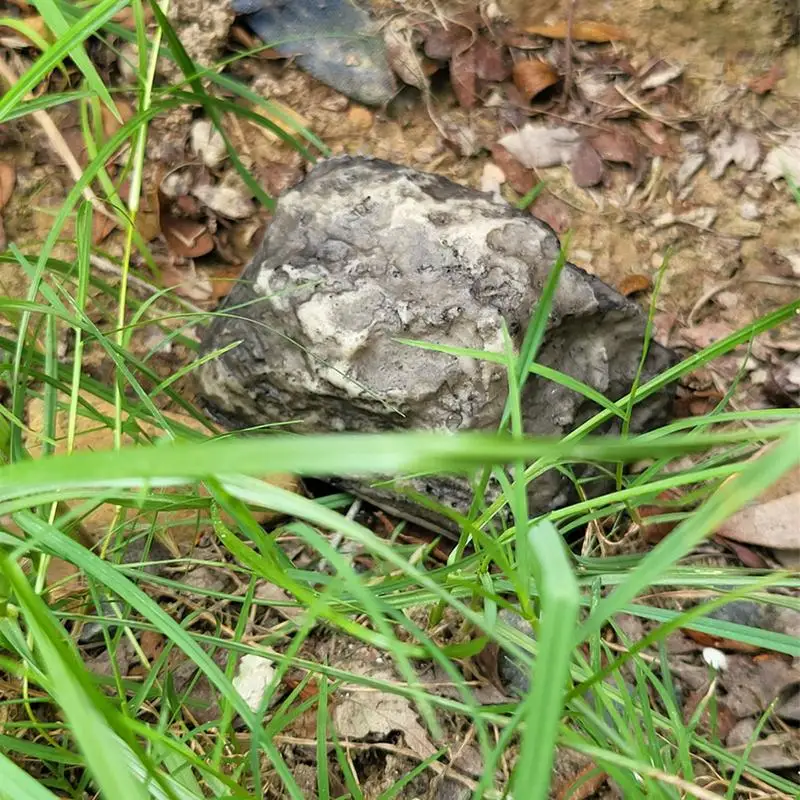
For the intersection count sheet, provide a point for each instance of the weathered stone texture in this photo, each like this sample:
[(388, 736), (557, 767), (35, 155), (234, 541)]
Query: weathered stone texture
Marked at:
[(364, 252)]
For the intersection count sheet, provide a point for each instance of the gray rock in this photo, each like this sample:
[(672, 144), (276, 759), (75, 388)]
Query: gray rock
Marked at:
[(333, 40), (364, 252)]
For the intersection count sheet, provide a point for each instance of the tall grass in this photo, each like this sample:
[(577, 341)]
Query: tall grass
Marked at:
[(68, 731)]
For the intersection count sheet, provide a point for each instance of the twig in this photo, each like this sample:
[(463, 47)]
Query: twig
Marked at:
[(148, 289), (58, 143), (568, 42)]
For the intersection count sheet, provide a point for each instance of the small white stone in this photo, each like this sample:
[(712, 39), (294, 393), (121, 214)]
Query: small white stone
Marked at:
[(749, 210), (207, 142), (715, 659), (255, 675)]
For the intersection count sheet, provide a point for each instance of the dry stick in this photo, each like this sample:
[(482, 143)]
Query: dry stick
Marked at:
[(568, 42), (58, 143)]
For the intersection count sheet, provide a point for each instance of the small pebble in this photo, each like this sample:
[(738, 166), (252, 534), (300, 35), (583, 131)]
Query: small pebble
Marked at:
[(207, 142), (727, 299), (749, 210), (360, 117)]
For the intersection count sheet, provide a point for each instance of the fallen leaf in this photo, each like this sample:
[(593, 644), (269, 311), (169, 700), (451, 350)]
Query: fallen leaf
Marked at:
[(753, 683), (186, 282), (110, 123), (463, 78), (277, 177), (783, 160), (152, 643), (706, 334), (362, 713), (740, 148), (617, 145), (518, 177), (223, 279), (102, 225), (633, 284), (582, 31), (660, 74), (8, 180), (666, 502), (538, 146), (401, 52), (185, 237), (656, 132), (491, 60), (747, 556), (441, 43), (766, 82), (775, 523), (533, 76), (279, 600), (778, 751), (549, 209), (254, 676), (586, 166)]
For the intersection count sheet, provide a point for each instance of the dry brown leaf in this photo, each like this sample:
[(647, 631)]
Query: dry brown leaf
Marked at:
[(126, 18), (185, 237), (367, 714), (110, 123), (633, 284), (402, 54), (187, 282), (518, 177), (462, 77), (277, 177), (441, 43), (585, 31), (533, 76), (8, 180), (664, 503), (556, 213), (774, 523), (766, 82), (747, 556), (617, 145), (102, 226), (586, 166), (148, 217), (491, 60), (223, 279)]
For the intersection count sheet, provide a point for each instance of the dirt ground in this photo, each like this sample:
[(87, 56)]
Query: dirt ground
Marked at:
[(683, 105)]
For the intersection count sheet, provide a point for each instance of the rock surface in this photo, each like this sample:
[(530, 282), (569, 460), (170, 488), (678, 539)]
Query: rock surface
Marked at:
[(364, 252), (333, 40)]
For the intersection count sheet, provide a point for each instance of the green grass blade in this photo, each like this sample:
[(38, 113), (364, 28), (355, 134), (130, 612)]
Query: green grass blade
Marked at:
[(77, 33), (543, 707), (72, 690)]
